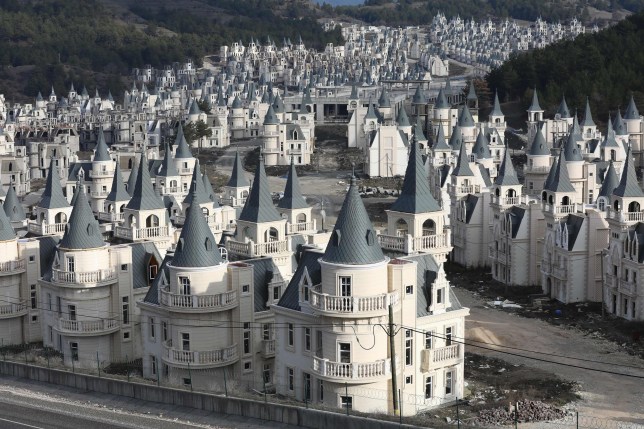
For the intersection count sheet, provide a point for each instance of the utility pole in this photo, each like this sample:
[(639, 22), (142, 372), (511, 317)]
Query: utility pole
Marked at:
[(392, 351)]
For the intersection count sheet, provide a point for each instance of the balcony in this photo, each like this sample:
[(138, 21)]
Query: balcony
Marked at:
[(407, 244), (111, 217), (301, 227), (268, 348), (295, 151), (15, 309), (611, 281), (355, 372), (440, 357), (82, 279), (199, 359), (492, 253), (351, 306), (99, 194), (391, 242), (506, 201), (12, 267), (198, 303), (625, 217), (559, 272), (431, 242), (542, 169), (546, 267), (47, 229), (185, 170), (88, 327), (464, 190), (628, 287), (250, 249), (101, 174), (141, 233), (562, 209), (167, 190)]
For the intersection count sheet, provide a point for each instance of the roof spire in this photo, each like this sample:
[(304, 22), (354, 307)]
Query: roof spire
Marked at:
[(118, 192), (259, 205), (588, 117), (134, 172), (52, 197), (293, 198), (238, 178), (496, 108), (560, 181), (197, 193), (82, 230), (610, 181), (168, 168), (628, 185), (182, 150), (415, 196), (101, 153), (6, 230), (144, 197), (507, 174), (462, 164), (12, 207), (535, 107)]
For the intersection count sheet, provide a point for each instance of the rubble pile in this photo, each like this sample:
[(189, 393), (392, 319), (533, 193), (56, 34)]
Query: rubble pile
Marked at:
[(529, 411)]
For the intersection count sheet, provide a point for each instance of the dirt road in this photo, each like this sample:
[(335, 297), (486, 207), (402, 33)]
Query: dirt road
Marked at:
[(603, 395)]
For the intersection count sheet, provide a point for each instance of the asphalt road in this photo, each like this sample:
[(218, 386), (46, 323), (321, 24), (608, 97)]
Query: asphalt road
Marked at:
[(18, 417)]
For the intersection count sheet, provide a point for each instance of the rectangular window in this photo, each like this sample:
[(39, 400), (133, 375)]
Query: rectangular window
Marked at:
[(291, 378), (126, 310), (276, 293), (346, 402), (152, 273), (164, 330), (344, 350), (321, 390), (184, 285), (409, 290), (74, 350), (345, 286), (409, 347), (439, 296), (123, 267), (307, 387), (71, 264), (245, 289), (448, 336), (306, 293), (246, 338), (266, 331), (185, 341), (291, 335), (152, 330), (428, 339), (153, 361), (59, 306), (126, 335), (49, 300), (307, 339), (34, 300), (248, 366), (449, 381), (428, 387), (71, 309), (409, 379), (267, 373)]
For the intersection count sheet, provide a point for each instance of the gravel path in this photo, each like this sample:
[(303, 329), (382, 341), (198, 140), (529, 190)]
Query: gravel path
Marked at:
[(603, 395)]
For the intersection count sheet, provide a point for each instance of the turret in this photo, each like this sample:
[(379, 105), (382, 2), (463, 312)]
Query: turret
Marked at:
[(52, 211)]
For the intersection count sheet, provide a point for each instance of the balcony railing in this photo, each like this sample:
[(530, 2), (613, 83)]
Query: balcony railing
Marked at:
[(268, 348), (88, 327), (201, 358), (410, 244), (628, 287), (141, 233), (562, 209), (506, 201), (218, 302), (101, 174), (465, 189), (11, 267), (46, 229), (296, 228), (559, 271), (99, 194), (626, 217), (440, 357), (351, 372), (111, 217), (611, 281), (546, 267), (14, 309), (428, 242), (83, 278), (543, 169), (351, 305), (185, 170), (251, 249)]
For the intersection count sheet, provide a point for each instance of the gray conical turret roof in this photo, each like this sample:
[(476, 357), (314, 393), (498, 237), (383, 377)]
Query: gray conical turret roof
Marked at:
[(353, 241), (354, 92), (118, 192), (101, 153), (576, 129), (52, 197), (571, 150), (507, 174), (168, 168), (462, 164), (259, 205), (131, 181), (551, 174), (194, 108), (384, 101), (39, 96), (6, 230), (293, 198), (415, 196), (197, 195), (208, 187), (196, 246), (76, 191), (481, 148), (271, 117), (465, 118), (441, 100), (144, 196), (402, 119), (563, 110), (631, 111), (619, 126), (628, 185), (238, 179), (496, 108), (471, 92), (588, 116), (560, 180), (609, 139), (456, 139), (371, 113), (539, 146), (535, 107), (82, 230), (440, 143), (12, 207), (610, 182), (183, 150), (419, 96), (278, 104)]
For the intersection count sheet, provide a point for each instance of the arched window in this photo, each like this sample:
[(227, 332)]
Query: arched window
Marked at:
[(60, 217), (301, 218), (152, 221), (401, 228), (634, 207), (429, 227)]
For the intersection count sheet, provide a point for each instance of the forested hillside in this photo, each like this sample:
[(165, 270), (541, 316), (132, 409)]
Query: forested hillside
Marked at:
[(96, 42), (605, 66)]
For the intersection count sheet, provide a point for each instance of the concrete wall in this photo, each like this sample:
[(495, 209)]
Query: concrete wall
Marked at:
[(307, 418)]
